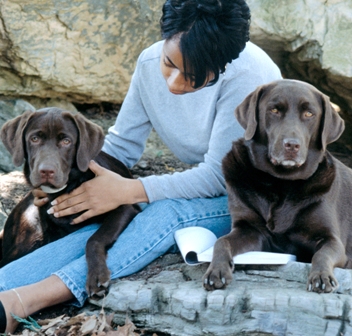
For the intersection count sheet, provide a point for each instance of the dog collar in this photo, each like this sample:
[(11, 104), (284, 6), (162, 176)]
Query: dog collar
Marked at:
[(50, 190)]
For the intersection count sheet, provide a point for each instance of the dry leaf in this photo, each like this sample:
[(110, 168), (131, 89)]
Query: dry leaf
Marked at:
[(50, 331), (83, 324), (73, 329), (27, 332), (113, 333), (126, 330), (102, 321), (51, 322), (109, 318), (78, 319), (47, 321), (99, 333), (89, 325)]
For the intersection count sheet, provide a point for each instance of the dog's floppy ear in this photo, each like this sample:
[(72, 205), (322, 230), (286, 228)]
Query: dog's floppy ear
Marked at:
[(12, 136), (90, 141), (332, 124), (246, 113)]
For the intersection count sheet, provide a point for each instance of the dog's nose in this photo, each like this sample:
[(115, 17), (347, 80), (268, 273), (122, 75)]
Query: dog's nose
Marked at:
[(291, 145), (46, 172)]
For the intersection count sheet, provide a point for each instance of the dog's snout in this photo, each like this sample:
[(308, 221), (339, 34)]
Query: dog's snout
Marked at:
[(291, 145), (46, 172)]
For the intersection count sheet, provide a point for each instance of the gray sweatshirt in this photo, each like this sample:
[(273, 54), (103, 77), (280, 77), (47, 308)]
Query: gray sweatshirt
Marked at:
[(198, 127)]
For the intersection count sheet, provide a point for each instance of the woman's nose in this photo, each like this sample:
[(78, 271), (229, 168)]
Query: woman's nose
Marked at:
[(176, 80)]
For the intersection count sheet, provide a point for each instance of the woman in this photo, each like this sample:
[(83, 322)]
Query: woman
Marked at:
[(186, 87)]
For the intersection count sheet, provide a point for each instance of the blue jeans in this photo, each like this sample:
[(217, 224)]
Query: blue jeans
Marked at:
[(148, 236)]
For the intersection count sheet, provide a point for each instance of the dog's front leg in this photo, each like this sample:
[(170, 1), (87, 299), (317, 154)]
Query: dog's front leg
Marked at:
[(115, 222), (242, 238), (331, 254)]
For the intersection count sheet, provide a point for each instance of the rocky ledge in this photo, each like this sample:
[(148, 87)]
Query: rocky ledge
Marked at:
[(262, 300)]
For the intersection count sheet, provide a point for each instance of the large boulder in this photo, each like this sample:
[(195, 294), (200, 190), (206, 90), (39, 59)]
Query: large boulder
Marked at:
[(85, 51), (310, 40), (82, 51)]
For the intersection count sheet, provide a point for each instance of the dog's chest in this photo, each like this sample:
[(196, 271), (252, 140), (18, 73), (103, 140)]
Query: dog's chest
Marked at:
[(280, 203), (276, 208)]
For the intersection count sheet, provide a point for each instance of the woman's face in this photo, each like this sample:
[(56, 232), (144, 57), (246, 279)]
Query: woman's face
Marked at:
[(171, 64)]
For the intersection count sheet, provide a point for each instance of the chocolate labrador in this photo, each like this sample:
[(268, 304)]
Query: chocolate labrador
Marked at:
[(286, 192), (56, 147)]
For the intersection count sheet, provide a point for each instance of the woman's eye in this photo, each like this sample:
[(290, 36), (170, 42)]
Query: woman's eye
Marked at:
[(169, 65)]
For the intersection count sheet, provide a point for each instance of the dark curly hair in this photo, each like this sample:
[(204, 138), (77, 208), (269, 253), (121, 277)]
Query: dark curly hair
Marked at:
[(212, 33)]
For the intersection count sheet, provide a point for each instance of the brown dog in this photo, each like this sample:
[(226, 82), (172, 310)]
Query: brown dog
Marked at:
[(56, 147), (286, 192)]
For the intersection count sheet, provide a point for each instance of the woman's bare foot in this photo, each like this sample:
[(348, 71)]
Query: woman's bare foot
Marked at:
[(24, 301), (12, 304)]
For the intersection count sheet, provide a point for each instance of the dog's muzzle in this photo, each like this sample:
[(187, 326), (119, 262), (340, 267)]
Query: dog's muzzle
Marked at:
[(288, 154)]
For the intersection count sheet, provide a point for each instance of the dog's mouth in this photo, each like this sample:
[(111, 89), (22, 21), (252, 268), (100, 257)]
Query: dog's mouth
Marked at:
[(52, 190), (287, 163)]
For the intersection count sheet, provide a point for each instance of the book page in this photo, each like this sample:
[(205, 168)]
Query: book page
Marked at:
[(196, 246), (252, 258), (193, 241)]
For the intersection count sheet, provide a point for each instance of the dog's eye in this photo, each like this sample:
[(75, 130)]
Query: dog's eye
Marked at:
[(308, 114), (34, 138), (66, 141), (274, 110)]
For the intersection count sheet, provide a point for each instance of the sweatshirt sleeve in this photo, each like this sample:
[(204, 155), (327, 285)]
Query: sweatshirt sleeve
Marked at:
[(127, 138), (206, 180)]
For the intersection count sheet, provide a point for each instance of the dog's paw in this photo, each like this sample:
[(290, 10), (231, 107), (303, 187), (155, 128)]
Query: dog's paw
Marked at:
[(98, 281), (322, 282), (218, 275)]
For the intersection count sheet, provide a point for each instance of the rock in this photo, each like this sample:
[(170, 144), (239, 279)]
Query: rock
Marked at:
[(10, 108), (13, 188), (82, 51), (39, 103), (310, 40), (86, 51), (3, 218), (261, 300)]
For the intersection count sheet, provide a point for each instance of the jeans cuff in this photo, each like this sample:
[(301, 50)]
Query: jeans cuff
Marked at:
[(80, 297)]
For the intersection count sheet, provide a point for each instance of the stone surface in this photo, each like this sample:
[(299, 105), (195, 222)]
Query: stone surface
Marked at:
[(262, 300), (310, 40), (83, 51), (39, 103)]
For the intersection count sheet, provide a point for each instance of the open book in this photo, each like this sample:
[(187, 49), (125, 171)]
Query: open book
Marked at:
[(196, 246)]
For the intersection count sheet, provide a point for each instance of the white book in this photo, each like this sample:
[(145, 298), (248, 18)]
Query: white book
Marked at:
[(196, 245)]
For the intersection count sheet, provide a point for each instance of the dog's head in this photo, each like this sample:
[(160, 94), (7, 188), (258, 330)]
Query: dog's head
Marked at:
[(288, 124), (51, 141)]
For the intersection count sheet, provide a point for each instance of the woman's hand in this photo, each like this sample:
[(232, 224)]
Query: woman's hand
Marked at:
[(40, 197), (105, 192)]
